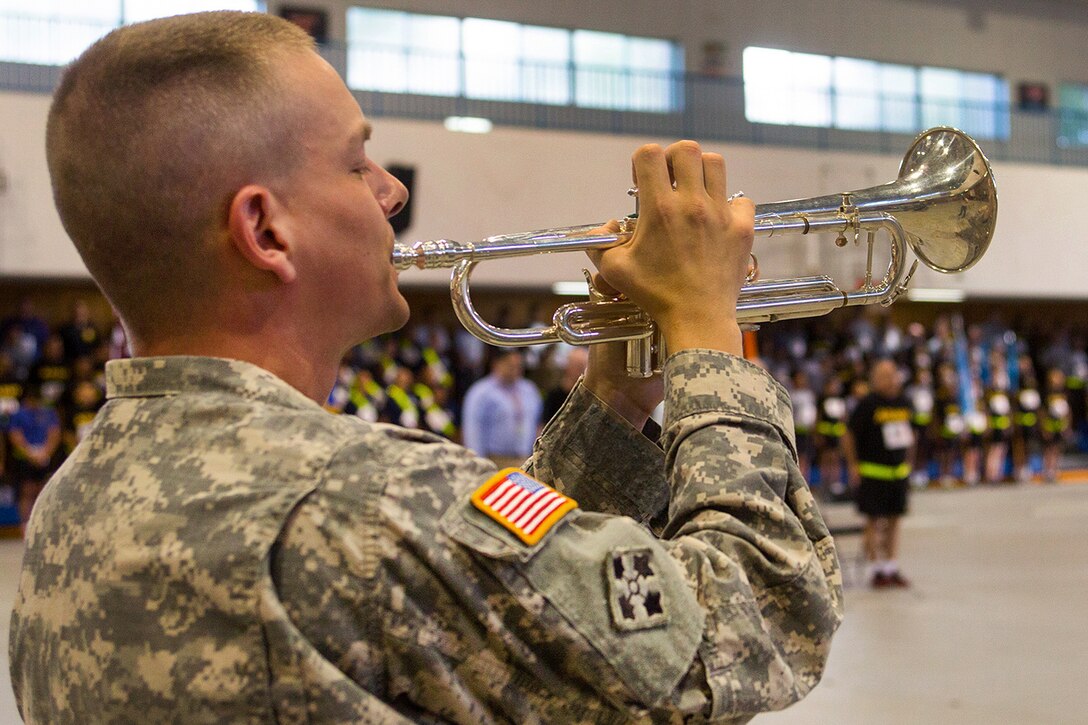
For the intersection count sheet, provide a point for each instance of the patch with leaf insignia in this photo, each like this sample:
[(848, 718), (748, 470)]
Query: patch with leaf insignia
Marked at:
[(635, 595)]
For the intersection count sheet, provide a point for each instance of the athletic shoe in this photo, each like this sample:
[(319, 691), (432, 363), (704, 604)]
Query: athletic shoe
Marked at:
[(880, 581), (895, 579)]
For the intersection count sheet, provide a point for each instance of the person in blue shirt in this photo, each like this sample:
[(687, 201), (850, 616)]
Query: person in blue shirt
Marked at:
[(34, 435), (501, 413)]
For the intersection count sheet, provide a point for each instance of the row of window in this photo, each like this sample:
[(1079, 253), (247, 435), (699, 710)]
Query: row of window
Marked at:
[(834, 92), (400, 52), (53, 32)]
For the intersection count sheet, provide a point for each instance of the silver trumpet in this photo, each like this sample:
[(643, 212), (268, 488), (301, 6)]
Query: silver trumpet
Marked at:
[(943, 207)]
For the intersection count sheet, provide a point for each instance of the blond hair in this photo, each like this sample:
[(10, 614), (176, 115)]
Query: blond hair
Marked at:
[(151, 132)]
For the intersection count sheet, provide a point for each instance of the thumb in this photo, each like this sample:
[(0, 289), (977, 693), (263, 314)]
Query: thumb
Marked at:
[(612, 227), (603, 287)]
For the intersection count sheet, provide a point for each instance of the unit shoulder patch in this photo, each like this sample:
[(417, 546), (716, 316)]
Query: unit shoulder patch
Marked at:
[(523, 505), (635, 594)]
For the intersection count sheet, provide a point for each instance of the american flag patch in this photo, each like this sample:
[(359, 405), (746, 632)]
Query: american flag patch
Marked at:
[(522, 504)]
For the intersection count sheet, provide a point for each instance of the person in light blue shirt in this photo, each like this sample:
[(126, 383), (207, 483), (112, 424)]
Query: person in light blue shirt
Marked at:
[(501, 412)]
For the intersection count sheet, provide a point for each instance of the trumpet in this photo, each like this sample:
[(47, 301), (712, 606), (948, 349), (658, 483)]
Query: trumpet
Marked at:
[(942, 207)]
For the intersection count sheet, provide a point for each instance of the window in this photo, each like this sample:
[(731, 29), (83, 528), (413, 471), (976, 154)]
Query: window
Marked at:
[(510, 62), (400, 52), (1072, 115), (54, 32), (787, 88)]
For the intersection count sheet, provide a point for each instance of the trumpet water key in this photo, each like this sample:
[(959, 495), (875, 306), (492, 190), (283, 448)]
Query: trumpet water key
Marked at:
[(942, 208)]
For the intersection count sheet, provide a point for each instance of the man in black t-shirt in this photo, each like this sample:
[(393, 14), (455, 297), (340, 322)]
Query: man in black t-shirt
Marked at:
[(878, 448)]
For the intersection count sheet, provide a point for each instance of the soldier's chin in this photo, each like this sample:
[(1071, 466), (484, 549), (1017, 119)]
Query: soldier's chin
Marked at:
[(399, 312)]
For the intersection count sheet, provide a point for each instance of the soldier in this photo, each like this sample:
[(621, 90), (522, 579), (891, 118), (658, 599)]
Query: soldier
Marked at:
[(1026, 433), (219, 548), (922, 399), (1057, 422), (830, 426), (998, 401), (805, 414), (950, 424)]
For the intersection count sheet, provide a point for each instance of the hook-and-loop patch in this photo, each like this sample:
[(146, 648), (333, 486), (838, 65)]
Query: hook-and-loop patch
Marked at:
[(522, 504), (636, 596)]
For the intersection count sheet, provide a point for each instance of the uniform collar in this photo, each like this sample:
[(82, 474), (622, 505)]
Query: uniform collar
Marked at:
[(146, 377)]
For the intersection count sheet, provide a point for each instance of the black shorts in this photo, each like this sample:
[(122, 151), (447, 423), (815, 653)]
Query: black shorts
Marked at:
[(806, 445), (882, 498), (23, 471)]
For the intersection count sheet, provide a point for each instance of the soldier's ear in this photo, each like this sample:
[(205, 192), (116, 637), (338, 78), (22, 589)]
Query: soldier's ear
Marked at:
[(256, 231)]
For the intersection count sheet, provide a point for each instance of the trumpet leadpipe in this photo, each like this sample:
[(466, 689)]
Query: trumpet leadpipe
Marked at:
[(445, 253)]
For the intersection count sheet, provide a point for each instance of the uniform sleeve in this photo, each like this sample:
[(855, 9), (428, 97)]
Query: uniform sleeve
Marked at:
[(745, 529), (594, 456)]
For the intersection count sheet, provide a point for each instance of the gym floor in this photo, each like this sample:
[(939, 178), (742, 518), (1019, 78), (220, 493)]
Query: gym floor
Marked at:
[(992, 630)]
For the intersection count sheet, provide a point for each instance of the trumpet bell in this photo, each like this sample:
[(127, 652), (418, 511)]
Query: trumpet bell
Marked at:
[(944, 199), (951, 222)]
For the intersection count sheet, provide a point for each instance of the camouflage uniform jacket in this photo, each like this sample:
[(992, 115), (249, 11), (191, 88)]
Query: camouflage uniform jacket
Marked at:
[(220, 549)]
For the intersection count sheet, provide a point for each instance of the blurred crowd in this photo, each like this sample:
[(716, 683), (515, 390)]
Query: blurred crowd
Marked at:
[(51, 385), (989, 404)]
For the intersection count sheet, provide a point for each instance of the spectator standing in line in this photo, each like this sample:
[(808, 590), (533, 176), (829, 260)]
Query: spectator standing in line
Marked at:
[(52, 373), (85, 400), (921, 395), (21, 348), (1076, 388), (878, 448), (501, 413), (998, 402), (978, 426), (805, 413), (1057, 423), (951, 436), (79, 334), (1026, 435), (401, 406), (29, 323), (34, 435), (11, 389), (830, 426)]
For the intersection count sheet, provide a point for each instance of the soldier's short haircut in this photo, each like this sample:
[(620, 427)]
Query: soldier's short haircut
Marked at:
[(151, 131)]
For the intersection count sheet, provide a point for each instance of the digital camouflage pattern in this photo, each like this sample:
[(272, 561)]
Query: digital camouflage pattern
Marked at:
[(221, 549)]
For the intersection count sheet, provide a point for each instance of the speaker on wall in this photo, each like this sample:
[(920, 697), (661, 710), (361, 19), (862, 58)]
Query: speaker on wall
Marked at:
[(314, 21), (1033, 96)]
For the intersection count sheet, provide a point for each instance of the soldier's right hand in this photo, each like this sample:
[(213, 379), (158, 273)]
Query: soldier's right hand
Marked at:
[(687, 260)]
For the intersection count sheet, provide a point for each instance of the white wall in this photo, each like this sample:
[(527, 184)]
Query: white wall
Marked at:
[(32, 241), (472, 186)]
